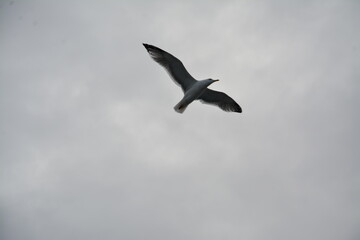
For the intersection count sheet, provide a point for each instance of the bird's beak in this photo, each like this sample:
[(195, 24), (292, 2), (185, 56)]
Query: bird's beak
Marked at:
[(216, 80)]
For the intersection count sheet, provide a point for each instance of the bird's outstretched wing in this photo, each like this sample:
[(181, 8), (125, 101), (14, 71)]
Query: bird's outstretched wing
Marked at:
[(173, 66), (220, 99)]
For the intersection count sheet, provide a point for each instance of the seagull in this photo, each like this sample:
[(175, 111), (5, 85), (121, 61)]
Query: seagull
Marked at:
[(193, 89)]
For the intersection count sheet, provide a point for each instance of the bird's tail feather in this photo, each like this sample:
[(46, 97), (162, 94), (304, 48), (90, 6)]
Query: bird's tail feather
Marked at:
[(180, 107)]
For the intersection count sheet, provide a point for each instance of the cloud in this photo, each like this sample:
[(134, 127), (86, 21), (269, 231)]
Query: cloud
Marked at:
[(91, 147)]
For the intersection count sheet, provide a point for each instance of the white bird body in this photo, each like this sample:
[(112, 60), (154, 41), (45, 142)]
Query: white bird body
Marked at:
[(192, 88), (193, 93)]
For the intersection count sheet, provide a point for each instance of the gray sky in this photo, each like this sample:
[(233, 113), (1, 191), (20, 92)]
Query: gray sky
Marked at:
[(91, 147)]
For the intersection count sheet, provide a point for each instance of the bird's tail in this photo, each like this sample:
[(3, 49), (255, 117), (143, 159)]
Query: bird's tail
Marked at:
[(180, 107)]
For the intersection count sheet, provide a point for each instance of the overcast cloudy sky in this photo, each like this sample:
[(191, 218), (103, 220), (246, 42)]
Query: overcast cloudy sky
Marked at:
[(91, 148)]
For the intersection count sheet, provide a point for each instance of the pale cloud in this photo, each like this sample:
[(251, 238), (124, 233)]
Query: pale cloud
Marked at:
[(91, 146)]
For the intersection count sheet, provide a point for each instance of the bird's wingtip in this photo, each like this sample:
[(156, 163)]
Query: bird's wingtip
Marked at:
[(147, 46)]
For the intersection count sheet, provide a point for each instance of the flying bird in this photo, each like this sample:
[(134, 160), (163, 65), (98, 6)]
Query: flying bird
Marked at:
[(192, 88)]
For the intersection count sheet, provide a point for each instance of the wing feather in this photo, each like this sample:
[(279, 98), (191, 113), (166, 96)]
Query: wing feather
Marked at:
[(173, 66), (220, 99)]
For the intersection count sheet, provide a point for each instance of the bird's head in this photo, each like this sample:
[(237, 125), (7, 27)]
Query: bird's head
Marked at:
[(210, 81)]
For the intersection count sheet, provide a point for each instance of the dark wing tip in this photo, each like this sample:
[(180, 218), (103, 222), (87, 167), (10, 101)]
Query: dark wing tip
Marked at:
[(231, 107), (152, 48), (147, 46), (237, 108)]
